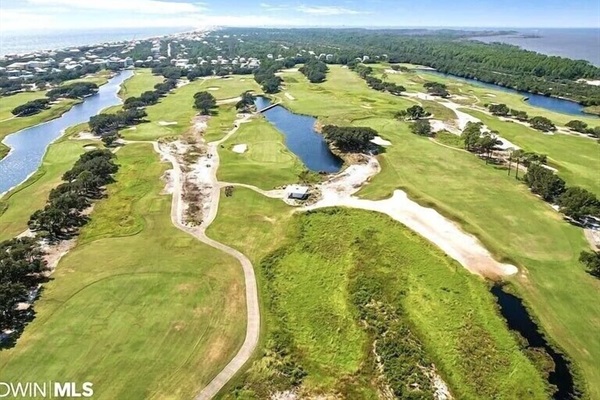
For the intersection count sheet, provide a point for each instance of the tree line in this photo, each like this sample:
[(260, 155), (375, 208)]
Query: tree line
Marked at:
[(366, 72), (22, 264), (77, 90)]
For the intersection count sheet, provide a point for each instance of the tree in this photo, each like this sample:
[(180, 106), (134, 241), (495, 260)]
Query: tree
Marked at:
[(542, 124), (591, 260), (517, 156), (384, 76), (315, 70), (271, 85), (246, 102), (413, 113), (487, 144), (577, 126), (577, 203), (544, 182), (436, 89), (519, 115), (205, 102), (470, 135), (31, 108), (350, 139), (421, 127), (499, 109)]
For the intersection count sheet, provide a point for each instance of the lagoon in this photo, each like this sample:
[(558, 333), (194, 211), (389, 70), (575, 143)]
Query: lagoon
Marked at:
[(28, 146), (301, 138)]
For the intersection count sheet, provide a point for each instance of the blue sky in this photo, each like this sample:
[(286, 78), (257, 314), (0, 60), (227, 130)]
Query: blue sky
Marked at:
[(77, 14)]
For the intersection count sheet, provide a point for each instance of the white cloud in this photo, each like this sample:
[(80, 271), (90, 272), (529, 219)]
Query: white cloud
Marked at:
[(137, 6), (327, 10)]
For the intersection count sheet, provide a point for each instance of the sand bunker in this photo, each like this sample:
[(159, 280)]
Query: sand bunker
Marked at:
[(213, 88), (240, 148), (90, 147), (378, 140), (289, 96), (447, 235), (167, 123)]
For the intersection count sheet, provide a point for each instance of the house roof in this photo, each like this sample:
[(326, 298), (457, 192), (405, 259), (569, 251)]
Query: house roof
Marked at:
[(297, 190)]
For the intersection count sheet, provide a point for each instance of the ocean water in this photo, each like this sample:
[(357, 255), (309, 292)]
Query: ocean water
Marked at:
[(576, 43), (23, 42)]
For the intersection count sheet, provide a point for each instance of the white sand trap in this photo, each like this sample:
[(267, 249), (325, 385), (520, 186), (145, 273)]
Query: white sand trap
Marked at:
[(86, 136), (590, 82), (240, 148), (90, 147), (167, 123), (378, 140), (213, 88), (437, 126), (422, 96), (490, 95), (289, 96), (461, 246)]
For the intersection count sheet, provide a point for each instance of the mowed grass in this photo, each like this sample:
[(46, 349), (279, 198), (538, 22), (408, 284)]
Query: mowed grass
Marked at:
[(509, 220), (267, 163), (142, 81), (17, 205), (139, 308), (450, 309), (178, 107), (576, 158)]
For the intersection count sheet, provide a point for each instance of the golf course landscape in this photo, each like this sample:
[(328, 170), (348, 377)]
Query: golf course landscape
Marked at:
[(155, 296)]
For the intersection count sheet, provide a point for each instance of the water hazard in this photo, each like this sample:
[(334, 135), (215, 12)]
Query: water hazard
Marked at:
[(549, 103), (29, 145), (518, 319), (301, 137)]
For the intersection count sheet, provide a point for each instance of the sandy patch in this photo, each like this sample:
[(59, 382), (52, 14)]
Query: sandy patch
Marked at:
[(422, 96), (289, 96), (590, 82), (167, 123), (378, 140), (437, 126), (368, 107), (490, 95), (213, 88), (240, 148), (86, 136), (90, 147), (447, 235), (391, 71), (181, 83)]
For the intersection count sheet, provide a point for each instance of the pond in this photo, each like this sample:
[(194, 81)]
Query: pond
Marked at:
[(518, 319), (301, 137), (549, 103), (29, 145)]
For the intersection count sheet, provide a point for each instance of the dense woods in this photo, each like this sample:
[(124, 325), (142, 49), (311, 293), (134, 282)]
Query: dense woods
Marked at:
[(376, 83), (350, 139), (446, 51), (31, 107)]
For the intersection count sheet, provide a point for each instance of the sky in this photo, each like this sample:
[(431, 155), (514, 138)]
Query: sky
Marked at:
[(39, 15)]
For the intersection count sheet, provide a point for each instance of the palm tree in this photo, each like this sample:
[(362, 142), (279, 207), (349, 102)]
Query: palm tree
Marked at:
[(517, 155)]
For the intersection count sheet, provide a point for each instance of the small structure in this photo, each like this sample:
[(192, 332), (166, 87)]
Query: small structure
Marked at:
[(297, 192)]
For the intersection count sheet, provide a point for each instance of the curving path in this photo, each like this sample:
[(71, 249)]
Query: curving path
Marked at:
[(252, 304)]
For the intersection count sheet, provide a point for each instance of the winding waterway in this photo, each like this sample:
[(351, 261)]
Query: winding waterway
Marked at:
[(301, 137), (519, 320), (29, 145), (549, 103)]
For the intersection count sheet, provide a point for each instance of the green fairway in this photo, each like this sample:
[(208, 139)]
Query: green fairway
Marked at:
[(309, 288), (20, 203), (142, 81), (510, 221), (576, 158), (138, 308), (219, 125), (267, 163), (178, 107)]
